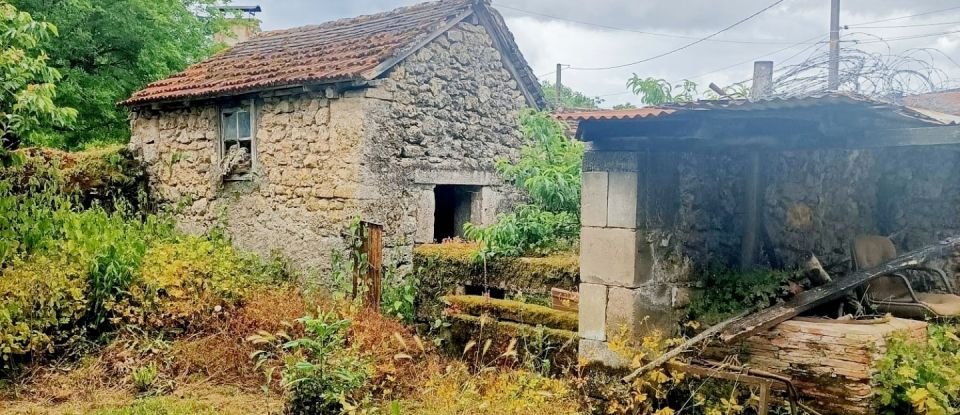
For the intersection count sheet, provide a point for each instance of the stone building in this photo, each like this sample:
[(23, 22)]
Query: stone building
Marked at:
[(395, 118), (737, 183)]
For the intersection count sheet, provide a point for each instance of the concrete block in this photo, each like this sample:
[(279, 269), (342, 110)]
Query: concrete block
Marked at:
[(609, 256), (593, 311), (593, 199), (638, 311), (598, 351), (622, 200)]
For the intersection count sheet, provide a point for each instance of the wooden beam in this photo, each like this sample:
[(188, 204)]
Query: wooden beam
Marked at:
[(836, 289)]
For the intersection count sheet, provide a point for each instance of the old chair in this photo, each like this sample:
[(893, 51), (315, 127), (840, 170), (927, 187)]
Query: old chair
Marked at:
[(893, 293)]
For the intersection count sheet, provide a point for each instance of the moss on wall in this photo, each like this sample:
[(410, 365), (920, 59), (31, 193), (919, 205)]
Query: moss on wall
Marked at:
[(514, 311), (443, 268)]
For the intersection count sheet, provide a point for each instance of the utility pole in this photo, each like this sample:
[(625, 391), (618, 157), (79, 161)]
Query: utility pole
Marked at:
[(833, 77), (559, 89)]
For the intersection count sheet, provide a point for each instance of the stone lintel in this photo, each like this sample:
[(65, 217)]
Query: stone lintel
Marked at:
[(460, 177)]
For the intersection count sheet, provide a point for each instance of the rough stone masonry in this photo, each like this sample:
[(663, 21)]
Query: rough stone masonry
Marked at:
[(442, 116)]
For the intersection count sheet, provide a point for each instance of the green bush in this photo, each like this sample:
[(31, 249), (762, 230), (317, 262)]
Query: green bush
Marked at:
[(42, 302), (922, 377), (323, 372)]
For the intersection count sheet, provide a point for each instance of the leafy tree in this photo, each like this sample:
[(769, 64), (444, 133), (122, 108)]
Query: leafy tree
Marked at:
[(111, 48), (548, 170), (568, 97), (653, 91), (624, 106), (28, 89)]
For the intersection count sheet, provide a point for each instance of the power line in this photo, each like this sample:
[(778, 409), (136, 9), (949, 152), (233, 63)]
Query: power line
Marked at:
[(670, 52), (803, 42), (642, 32), (904, 17), (892, 39), (905, 26)]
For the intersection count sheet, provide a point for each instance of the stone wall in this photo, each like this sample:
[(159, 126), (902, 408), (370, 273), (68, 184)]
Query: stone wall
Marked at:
[(301, 196), (442, 116)]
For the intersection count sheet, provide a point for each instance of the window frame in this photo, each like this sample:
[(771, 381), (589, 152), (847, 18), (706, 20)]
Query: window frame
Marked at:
[(250, 106)]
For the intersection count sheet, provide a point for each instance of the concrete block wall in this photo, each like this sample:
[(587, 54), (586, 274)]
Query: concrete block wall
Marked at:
[(627, 286)]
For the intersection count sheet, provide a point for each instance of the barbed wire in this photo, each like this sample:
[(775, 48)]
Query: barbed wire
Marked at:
[(881, 74)]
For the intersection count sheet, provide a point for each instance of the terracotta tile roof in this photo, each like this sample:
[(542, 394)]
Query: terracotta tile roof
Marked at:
[(627, 114), (947, 102), (341, 50)]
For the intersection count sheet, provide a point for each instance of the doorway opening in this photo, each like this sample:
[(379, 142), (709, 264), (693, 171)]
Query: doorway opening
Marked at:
[(454, 208)]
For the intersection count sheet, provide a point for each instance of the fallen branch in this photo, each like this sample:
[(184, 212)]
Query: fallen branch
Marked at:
[(676, 351)]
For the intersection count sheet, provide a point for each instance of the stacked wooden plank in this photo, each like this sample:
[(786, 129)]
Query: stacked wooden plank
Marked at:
[(829, 361)]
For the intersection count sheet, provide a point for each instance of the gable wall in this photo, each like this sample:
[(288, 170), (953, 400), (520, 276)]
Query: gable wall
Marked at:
[(442, 116)]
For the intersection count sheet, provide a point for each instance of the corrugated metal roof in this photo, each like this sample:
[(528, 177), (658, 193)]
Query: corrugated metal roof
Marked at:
[(626, 114), (769, 104)]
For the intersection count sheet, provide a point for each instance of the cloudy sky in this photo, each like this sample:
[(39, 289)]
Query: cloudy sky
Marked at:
[(602, 33)]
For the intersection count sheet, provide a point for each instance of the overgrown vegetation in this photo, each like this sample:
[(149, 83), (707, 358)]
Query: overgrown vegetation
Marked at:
[(726, 292), (29, 83), (548, 171), (920, 376), (109, 50)]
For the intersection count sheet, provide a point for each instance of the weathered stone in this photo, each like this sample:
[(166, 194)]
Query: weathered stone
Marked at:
[(593, 311), (610, 161), (598, 351), (593, 203), (609, 256), (637, 311), (622, 200)]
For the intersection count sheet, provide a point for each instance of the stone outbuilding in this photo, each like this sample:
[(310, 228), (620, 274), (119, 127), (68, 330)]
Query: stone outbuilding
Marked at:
[(739, 183), (395, 118)]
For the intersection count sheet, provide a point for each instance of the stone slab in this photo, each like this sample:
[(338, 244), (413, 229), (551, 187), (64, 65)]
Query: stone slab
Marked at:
[(426, 205), (593, 311), (622, 200), (593, 199), (640, 310), (609, 256)]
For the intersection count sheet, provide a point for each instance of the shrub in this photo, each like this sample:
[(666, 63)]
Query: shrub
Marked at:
[(920, 376), (113, 245), (322, 373), (42, 302), (183, 280), (548, 170)]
